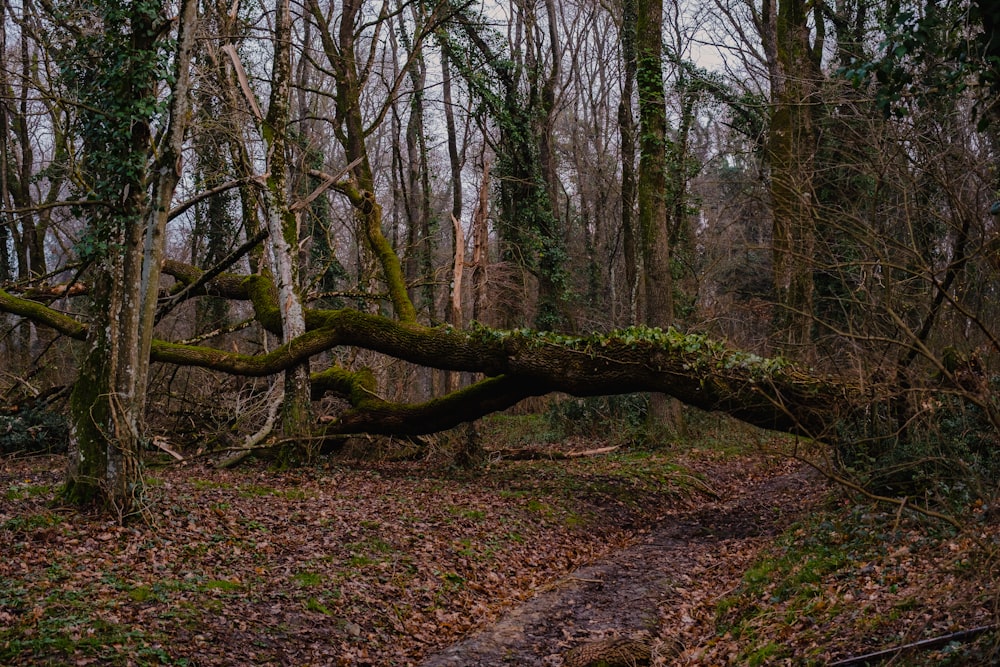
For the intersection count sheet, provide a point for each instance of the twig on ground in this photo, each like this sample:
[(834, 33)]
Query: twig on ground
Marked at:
[(922, 645)]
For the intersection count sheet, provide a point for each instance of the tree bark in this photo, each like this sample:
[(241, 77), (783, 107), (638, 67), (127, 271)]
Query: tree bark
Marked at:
[(792, 141), (108, 400), (283, 228), (653, 192), (360, 191), (626, 128)]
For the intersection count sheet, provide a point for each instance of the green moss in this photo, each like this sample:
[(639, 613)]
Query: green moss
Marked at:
[(264, 297), (222, 585), (312, 604), (90, 411)]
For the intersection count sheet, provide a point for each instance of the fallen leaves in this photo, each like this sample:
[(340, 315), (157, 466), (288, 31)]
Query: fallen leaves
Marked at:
[(382, 564), (372, 565)]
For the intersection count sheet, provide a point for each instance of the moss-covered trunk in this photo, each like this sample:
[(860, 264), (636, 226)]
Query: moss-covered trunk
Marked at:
[(653, 192), (791, 151), (125, 243), (283, 226)]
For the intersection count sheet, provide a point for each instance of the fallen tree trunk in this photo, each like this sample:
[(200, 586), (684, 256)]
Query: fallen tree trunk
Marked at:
[(770, 393)]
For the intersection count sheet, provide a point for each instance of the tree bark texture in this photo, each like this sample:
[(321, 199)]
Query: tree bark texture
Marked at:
[(283, 228), (792, 143), (626, 128), (108, 401), (653, 190)]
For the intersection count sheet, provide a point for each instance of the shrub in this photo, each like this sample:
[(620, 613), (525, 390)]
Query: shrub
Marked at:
[(33, 430), (946, 451), (622, 416)]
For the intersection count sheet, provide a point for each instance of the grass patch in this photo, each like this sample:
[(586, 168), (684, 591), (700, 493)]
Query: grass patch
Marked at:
[(57, 640), (256, 491), (144, 594), (360, 561), (791, 583), (224, 585), (307, 579), (23, 491), (313, 604), (208, 484), (31, 522), (70, 627), (260, 491)]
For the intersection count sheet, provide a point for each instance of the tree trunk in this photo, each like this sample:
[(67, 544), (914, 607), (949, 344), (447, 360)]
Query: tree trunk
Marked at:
[(283, 228), (652, 193), (626, 127), (108, 399), (481, 248), (791, 151), (454, 316), (340, 53)]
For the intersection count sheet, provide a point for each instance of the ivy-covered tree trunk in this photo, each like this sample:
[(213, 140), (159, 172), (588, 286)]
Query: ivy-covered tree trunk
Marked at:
[(119, 102), (520, 98)]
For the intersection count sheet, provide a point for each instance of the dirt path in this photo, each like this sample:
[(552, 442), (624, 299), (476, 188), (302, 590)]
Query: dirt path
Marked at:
[(661, 590)]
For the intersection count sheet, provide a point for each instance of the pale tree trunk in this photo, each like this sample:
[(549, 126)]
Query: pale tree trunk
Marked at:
[(481, 248), (108, 399), (454, 316), (6, 219), (168, 172), (283, 228)]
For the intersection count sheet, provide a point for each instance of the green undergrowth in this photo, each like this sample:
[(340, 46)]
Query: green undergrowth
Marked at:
[(634, 479), (850, 580), (34, 430), (619, 421), (72, 627)]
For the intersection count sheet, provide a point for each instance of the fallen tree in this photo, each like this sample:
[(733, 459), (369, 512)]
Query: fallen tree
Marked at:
[(771, 393)]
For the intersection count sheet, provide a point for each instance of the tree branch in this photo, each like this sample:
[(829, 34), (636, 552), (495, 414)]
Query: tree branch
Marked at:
[(227, 261)]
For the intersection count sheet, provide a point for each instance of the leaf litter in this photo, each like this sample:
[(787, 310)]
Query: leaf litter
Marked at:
[(382, 563)]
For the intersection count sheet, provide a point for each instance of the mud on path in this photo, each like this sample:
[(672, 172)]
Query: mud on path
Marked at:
[(662, 589)]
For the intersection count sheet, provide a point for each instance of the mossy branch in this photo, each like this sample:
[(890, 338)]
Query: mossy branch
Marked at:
[(42, 314), (371, 414), (771, 393), (370, 213)]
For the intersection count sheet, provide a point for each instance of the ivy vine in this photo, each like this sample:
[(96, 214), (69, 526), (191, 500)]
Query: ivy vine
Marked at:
[(111, 55)]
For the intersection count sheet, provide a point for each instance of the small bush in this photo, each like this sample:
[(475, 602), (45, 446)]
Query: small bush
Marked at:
[(946, 450), (621, 416), (34, 430)]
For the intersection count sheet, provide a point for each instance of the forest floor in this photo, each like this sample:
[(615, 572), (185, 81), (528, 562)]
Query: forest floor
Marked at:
[(723, 551)]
